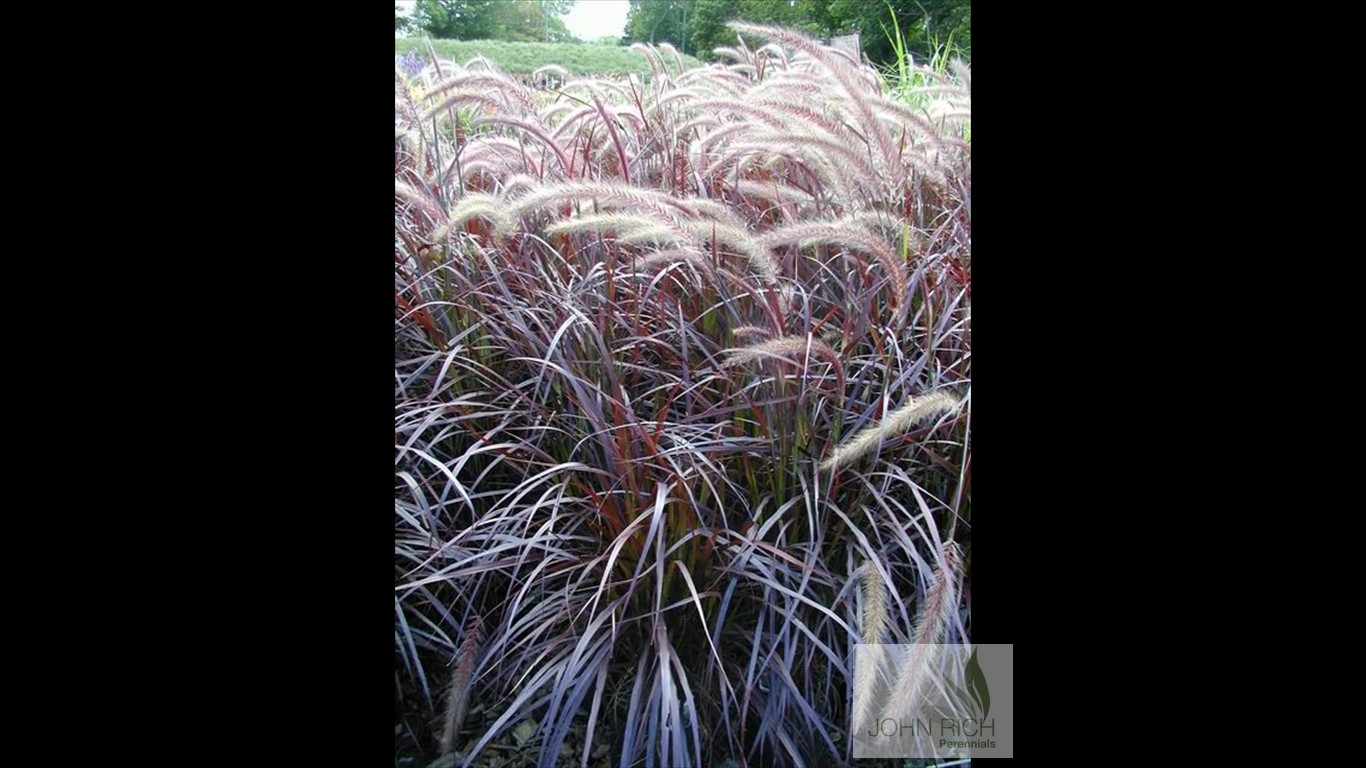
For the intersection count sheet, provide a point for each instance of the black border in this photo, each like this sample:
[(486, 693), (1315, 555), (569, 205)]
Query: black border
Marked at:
[(1069, 258)]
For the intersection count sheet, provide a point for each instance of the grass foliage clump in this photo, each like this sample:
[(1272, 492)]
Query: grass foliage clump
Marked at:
[(682, 400), (525, 58)]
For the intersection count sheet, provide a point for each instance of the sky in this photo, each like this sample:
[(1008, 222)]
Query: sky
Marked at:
[(588, 19), (592, 19)]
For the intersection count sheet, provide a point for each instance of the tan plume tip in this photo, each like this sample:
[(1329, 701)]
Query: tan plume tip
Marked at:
[(751, 330), (941, 600), (874, 595), (408, 194), (873, 599), (844, 234), (917, 411), (792, 348), (739, 239), (616, 194), (487, 207), (629, 227)]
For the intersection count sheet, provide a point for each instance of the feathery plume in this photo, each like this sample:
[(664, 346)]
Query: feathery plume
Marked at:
[(458, 96), (873, 604), (605, 192), (672, 51), (843, 233), (739, 239), (407, 193), (793, 348), (472, 205), (631, 228), (531, 128), (874, 597), (751, 330), (916, 411), (651, 55), (458, 698), (844, 72), (941, 600)]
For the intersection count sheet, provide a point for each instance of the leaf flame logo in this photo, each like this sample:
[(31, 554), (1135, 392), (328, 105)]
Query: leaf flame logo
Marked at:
[(977, 685)]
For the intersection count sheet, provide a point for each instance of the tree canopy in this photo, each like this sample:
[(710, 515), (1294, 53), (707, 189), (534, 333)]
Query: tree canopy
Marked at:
[(698, 26), (513, 20)]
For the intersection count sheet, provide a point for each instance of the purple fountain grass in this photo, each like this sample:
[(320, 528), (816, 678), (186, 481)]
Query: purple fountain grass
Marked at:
[(653, 348)]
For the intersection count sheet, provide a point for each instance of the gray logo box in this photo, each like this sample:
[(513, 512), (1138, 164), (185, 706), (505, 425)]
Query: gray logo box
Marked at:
[(933, 701)]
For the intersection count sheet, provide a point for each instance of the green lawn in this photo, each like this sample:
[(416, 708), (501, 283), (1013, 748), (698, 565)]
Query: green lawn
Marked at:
[(578, 58)]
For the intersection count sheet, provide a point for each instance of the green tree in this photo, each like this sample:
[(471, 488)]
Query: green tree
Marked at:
[(661, 21), (782, 13), (528, 21), (551, 13), (456, 19), (709, 26), (698, 26), (514, 20), (923, 22)]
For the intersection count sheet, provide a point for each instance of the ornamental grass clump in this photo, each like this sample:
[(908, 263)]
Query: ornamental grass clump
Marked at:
[(673, 361)]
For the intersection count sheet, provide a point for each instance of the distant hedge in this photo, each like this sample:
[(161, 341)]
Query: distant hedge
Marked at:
[(518, 58)]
